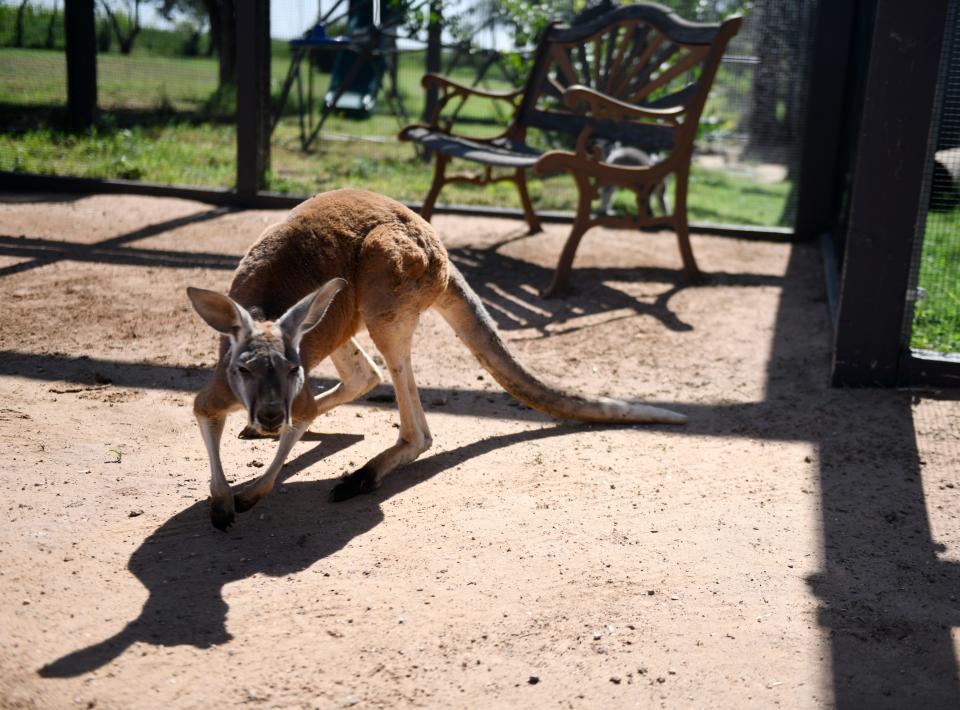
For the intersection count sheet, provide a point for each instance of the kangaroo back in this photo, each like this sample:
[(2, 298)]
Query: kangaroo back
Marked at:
[(462, 309)]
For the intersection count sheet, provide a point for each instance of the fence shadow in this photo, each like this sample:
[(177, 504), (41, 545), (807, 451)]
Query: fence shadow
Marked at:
[(42, 252), (887, 601)]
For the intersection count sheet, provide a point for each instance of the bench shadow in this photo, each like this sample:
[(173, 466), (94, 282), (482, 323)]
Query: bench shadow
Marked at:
[(510, 288), (185, 563)]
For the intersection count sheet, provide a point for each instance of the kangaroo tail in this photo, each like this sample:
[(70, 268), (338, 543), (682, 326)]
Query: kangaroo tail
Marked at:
[(462, 309)]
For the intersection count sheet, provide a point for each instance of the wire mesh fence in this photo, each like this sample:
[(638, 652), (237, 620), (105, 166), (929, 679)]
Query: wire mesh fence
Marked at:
[(166, 115), (936, 313)]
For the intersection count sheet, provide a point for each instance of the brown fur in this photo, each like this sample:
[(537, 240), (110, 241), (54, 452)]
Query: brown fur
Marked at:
[(395, 268)]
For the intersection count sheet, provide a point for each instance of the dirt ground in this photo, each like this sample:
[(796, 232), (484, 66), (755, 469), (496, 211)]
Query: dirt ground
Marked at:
[(793, 546)]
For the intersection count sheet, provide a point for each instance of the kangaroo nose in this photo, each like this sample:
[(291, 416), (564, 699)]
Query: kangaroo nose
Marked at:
[(270, 418)]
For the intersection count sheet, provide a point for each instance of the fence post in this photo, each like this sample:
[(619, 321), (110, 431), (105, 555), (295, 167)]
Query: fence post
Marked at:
[(886, 194), (81, 38), (253, 94)]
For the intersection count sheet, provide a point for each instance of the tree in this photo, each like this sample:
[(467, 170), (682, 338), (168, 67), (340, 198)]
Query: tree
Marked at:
[(221, 17), (18, 35), (51, 27), (131, 18)]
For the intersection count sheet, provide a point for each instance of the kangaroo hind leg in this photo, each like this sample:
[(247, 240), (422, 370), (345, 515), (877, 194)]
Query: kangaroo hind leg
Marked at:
[(393, 339), (358, 375)]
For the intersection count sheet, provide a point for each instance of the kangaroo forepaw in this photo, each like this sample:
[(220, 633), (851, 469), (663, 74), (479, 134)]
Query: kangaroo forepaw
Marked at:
[(363, 480), (222, 513), (250, 433)]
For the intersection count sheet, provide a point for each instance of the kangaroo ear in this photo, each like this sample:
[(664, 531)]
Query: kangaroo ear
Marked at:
[(221, 313), (309, 311)]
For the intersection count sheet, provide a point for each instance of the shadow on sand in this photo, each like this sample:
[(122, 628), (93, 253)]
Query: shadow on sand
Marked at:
[(888, 599), (185, 563)]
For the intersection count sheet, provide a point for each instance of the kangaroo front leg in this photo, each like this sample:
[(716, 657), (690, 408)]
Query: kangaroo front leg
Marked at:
[(415, 435), (211, 406), (221, 501), (252, 492), (358, 375), (304, 412)]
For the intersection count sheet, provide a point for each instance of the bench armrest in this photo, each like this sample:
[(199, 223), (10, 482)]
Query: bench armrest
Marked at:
[(462, 89), (608, 107), (451, 90)]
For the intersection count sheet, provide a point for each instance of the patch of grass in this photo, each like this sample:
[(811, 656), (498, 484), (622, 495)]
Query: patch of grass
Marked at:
[(38, 77), (719, 198), (180, 154), (936, 321)]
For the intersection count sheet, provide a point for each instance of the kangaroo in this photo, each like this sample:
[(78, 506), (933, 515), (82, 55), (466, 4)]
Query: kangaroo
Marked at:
[(342, 260)]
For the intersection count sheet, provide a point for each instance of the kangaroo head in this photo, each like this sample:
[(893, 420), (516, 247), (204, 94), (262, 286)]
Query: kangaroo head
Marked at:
[(264, 368)]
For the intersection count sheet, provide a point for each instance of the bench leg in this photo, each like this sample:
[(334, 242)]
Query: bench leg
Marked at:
[(690, 269), (533, 222), (561, 277), (439, 171)]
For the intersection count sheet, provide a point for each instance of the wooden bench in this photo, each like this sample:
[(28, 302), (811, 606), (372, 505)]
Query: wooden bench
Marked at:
[(637, 75)]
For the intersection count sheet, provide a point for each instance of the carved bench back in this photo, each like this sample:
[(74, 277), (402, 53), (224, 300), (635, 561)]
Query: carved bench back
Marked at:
[(639, 54)]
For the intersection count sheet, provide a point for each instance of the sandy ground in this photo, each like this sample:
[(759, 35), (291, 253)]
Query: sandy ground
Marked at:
[(793, 546)]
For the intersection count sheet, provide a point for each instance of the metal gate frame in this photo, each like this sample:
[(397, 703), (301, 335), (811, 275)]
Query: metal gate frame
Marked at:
[(887, 197)]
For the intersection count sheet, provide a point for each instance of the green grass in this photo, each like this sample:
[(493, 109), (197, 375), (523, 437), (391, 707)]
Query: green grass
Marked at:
[(936, 321), (156, 125)]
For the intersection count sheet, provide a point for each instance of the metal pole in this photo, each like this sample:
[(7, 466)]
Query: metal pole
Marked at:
[(253, 94), (81, 36)]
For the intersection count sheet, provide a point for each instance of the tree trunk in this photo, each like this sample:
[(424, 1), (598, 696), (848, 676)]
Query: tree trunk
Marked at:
[(126, 42), (18, 36), (434, 55), (50, 27), (227, 45), (213, 18)]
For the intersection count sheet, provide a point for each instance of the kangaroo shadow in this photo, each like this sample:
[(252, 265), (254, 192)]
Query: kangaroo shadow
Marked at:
[(185, 563)]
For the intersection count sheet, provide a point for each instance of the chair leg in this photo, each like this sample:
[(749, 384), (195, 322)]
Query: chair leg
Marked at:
[(690, 269), (561, 276), (439, 170), (533, 222)]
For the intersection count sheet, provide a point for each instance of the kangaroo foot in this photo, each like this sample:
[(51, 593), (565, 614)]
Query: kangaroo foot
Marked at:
[(245, 500), (222, 513), (363, 480)]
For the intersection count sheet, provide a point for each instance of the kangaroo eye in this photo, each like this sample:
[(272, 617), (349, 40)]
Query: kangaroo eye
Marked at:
[(243, 370), (294, 369)]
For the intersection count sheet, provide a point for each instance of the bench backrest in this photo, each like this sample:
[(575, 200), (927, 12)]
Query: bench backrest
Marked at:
[(641, 54)]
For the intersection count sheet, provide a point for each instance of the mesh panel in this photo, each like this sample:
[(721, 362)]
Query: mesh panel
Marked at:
[(163, 118), (936, 319), (748, 145)]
